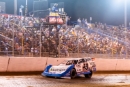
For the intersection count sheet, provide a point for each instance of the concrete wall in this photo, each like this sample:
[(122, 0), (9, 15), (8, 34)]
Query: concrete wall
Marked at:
[(123, 65), (3, 64), (106, 64), (55, 61), (27, 64)]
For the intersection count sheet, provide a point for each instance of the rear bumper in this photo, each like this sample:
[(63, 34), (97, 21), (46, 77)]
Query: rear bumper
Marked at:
[(94, 69)]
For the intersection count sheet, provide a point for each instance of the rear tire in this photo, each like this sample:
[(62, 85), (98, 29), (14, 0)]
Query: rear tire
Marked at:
[(73, 73), (88, 75)]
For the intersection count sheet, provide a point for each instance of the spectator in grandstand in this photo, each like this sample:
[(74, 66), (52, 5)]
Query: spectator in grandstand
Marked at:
[(55, 8), (83, 22), (64, 49), (68, 21), (86, 23), (79, 22), (99, 41)]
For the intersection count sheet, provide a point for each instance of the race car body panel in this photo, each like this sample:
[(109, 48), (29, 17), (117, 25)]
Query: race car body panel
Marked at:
[(57, 71), (71, 67)]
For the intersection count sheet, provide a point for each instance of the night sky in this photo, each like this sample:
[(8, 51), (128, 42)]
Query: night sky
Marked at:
[(104, 11)]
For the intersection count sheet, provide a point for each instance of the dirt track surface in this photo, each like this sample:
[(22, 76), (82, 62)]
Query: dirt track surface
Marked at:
[(98, 80)]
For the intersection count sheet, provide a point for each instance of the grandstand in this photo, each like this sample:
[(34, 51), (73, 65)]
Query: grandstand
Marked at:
[(98, 40)]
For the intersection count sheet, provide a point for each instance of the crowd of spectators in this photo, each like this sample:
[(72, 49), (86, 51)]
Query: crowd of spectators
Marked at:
[(25, 37)]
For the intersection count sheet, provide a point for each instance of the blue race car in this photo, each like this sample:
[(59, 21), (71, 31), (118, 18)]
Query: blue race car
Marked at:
[(72, 68)]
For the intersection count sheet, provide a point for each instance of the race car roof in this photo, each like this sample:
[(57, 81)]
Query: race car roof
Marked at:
[(77, 58), (73, 58)]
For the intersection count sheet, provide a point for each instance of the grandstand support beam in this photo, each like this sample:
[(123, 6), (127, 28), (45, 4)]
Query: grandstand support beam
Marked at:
[(125, 21), (41, 39), (78, 42), (15, 7), (13, 42), (59, 46)]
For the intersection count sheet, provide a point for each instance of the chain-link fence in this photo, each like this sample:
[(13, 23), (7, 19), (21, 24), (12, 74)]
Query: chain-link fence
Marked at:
[(25, 37)]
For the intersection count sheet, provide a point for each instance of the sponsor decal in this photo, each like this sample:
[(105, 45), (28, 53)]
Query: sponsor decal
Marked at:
[(78, 65), (57, 70), (53, 14), (85, 66), (78, 70), (54, 20)]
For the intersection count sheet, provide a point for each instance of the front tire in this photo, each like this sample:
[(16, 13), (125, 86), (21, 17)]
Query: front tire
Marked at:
[(73, 73), (88, 75)]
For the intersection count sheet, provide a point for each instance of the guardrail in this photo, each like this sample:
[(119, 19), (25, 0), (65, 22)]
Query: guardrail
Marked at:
[(18, 64)]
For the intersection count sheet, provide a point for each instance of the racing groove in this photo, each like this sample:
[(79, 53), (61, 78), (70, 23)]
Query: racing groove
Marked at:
[(98, 80)]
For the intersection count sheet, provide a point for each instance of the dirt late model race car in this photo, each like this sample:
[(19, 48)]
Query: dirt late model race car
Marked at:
[(71, 68)]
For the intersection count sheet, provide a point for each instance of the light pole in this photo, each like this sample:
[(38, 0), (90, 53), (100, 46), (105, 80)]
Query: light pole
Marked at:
[(26, 8), (125, 21), (125, 24), (15, 7)]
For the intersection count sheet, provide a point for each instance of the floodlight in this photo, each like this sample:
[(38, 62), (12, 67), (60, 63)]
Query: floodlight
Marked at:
[(22, 6)]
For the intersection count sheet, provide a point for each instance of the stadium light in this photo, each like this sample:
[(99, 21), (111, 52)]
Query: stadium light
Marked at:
[(119, 1)]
